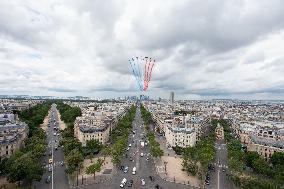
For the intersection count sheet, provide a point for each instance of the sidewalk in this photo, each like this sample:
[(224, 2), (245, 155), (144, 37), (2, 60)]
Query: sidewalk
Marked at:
[(100, 177), (166, 163)]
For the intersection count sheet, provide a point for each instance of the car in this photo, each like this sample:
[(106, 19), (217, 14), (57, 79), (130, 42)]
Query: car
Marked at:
[(123, 182), (125, 169), (130, 158), (152, 178), (122, 167), (127, 149), (141, 154), (48, 179), (130, 183), (224, 170), (62, 163), (50, 169), (129, 145), (54, 134), (55, 148), (158, 186), (50, 161), (57, 134), (143, 182), (134, 171), (147, 159)]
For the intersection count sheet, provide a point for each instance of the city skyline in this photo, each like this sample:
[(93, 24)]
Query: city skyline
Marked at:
[(220, 49)]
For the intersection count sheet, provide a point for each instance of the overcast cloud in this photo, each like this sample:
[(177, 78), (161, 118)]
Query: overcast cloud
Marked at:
[(203, 49)]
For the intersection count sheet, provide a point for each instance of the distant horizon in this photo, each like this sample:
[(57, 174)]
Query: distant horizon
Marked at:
[(122, 98)]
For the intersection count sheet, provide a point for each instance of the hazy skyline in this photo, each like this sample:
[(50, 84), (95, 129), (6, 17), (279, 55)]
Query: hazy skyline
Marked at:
[(212, 49)]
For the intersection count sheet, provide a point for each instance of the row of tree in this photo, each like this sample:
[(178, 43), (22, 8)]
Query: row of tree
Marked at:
[(196, 159), (155, 148), (119, 137), (73, 150), (72, 147), (25, 164), (249, 169)]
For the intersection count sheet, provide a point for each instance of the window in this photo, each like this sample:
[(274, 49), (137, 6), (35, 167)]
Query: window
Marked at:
[(7, 153), (7, 147)]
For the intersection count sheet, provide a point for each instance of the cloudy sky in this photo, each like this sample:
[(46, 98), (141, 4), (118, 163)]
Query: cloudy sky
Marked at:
[(203, 49)]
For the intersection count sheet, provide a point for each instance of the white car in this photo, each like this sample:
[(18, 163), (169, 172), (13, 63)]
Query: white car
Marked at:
[(123, 182), (134, 171), (127, 149), (141, 154), (54, 134), (129, 145), (143, 182)]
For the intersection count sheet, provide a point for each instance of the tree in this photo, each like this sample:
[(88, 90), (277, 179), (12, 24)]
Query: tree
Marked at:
[(95, 167), (190, 167), (71, 144), (250, 158), (94, 145), (23, 167), (277, 159), (74, 158)]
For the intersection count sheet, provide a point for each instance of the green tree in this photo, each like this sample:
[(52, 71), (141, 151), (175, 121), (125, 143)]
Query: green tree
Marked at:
[(251, 157), (24, 167), (278, 159), (94, 145), (74, 158), (95, 167)]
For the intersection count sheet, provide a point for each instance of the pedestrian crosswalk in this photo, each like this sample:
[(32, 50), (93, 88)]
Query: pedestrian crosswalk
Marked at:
[(220, 165), (58, 163)]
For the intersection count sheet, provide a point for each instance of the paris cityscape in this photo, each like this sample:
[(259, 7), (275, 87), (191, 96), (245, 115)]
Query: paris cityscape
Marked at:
[(141, 94)]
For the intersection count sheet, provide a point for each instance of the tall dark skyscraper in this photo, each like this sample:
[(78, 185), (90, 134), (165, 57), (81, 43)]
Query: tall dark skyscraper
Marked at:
[(172, 97)]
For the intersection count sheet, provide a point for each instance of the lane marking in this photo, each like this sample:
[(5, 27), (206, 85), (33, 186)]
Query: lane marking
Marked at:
[(218, 179)]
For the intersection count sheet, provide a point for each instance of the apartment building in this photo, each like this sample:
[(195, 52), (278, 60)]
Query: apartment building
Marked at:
[(97, 121), (12, 134), (180, 136)]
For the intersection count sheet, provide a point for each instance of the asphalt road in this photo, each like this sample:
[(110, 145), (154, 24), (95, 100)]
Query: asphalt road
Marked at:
[(144, 168), (60, 180), (218, 178)]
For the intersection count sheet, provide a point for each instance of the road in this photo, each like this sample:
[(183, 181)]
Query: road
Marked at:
[(58, 174), (218, 178), (144, 168)]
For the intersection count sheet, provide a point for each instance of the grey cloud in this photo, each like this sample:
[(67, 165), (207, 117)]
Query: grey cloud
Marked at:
[(63, 90), (208, 49)]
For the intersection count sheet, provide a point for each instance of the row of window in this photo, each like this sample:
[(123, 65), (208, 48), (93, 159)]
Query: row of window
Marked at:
[(7, 152), (93, 135)]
